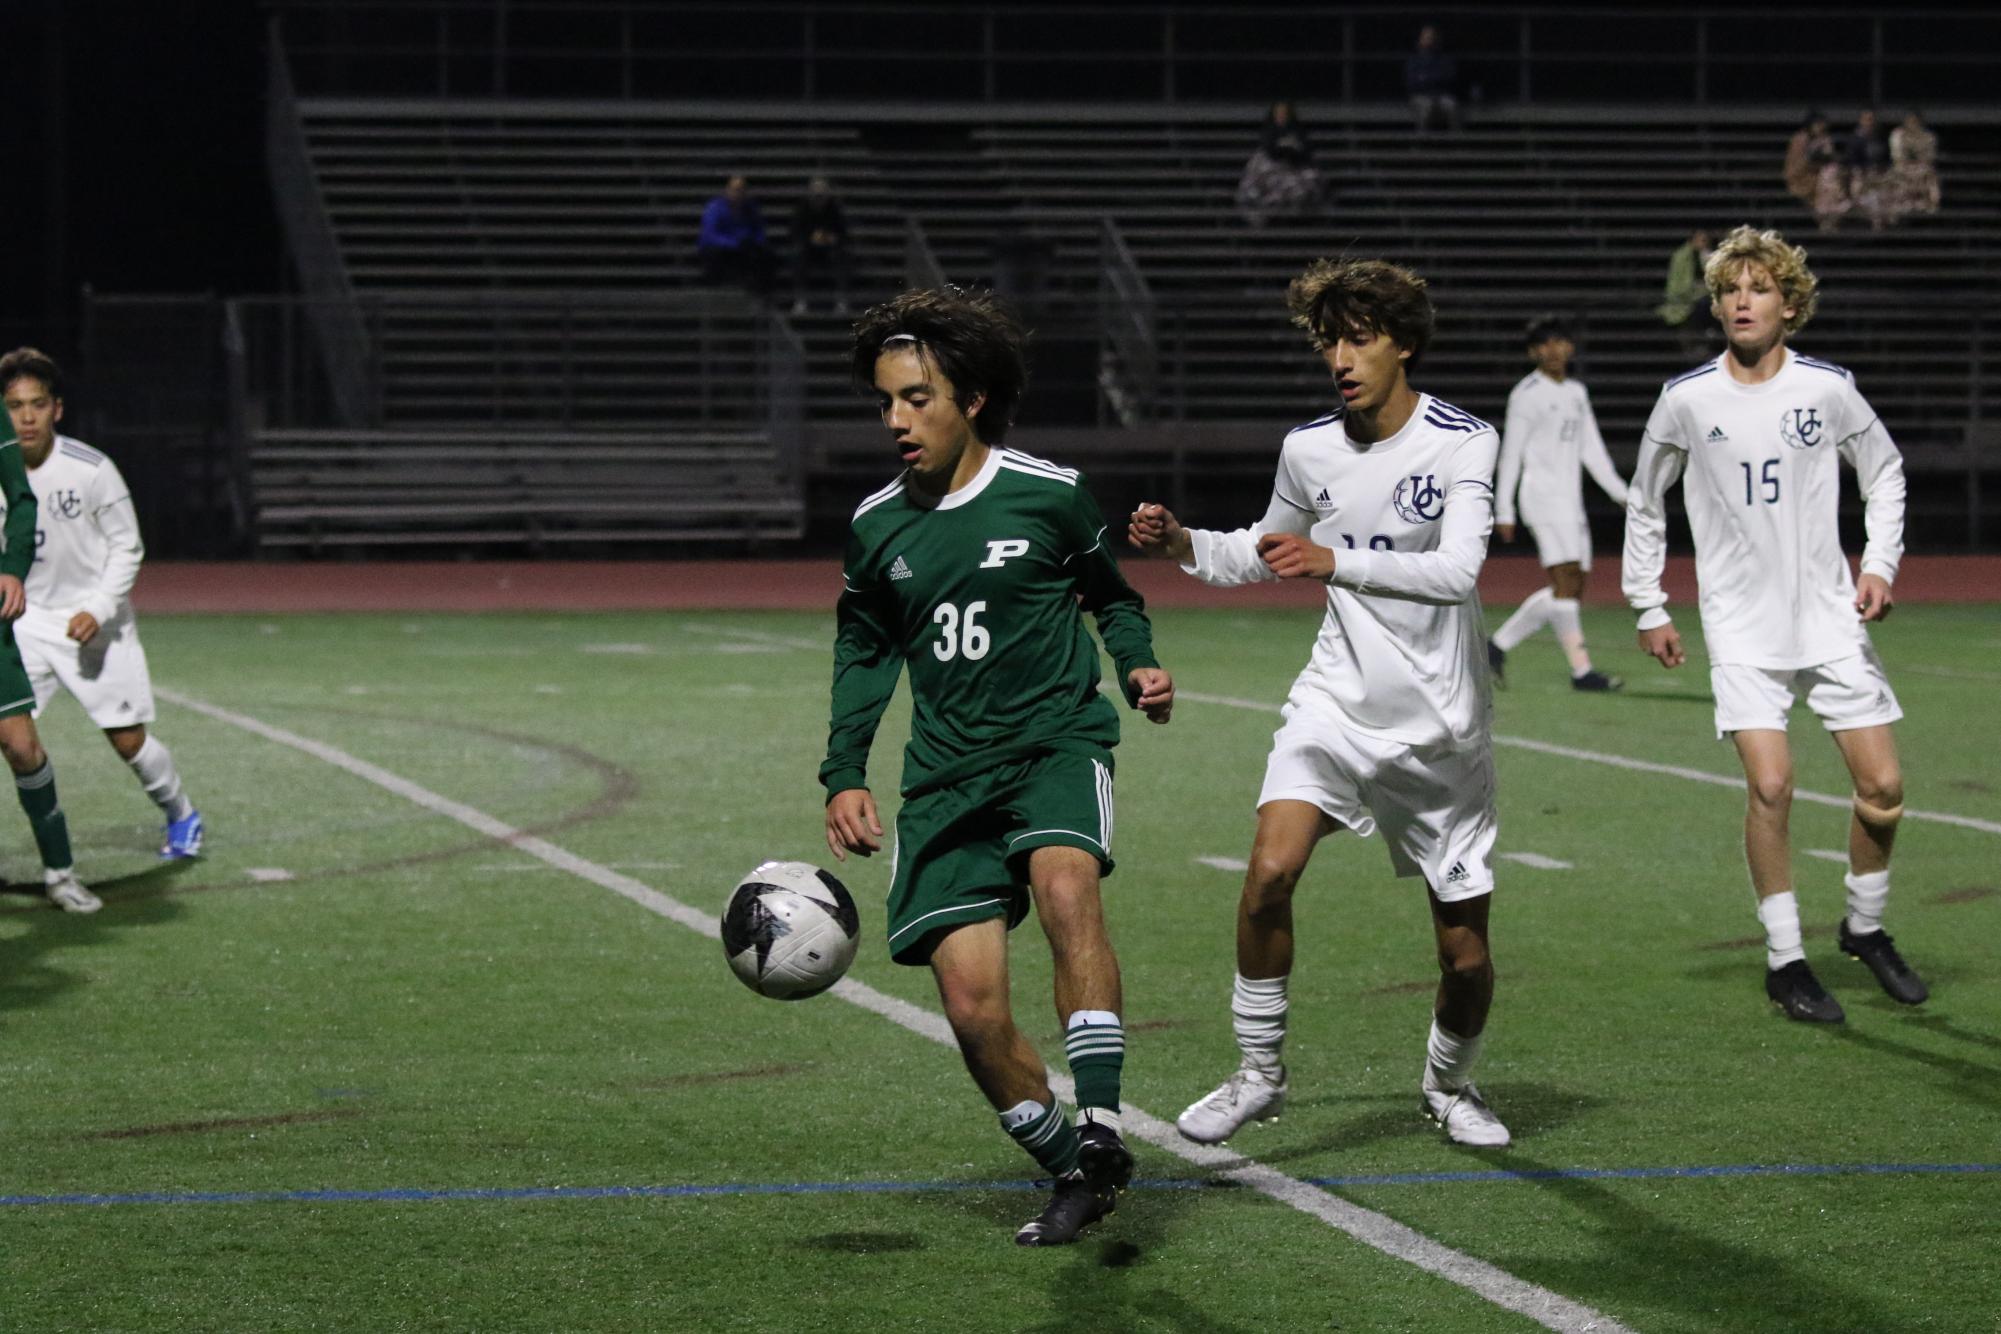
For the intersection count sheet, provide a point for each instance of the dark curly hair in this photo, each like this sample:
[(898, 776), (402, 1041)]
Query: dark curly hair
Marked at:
[(1543, 328), (973, 340), (1337, 296), (31, 361)]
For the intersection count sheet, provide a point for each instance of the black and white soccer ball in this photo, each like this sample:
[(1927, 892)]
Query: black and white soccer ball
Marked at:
[(790, 930)]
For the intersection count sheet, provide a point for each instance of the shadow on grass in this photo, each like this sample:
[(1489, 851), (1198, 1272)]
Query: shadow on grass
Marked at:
[(27, 979), (1974, 1081), (1528, 1108), (1642, 1260)]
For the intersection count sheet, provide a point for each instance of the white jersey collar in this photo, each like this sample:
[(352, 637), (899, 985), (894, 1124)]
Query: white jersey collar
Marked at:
[(966, 494)]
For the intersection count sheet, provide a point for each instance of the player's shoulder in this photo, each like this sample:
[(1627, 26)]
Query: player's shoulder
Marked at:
[(1443, 416), (1037, 471), (1822, 366), (1318, 427), (78, 452), (1526, 385), (1692, 380), (876, 500)]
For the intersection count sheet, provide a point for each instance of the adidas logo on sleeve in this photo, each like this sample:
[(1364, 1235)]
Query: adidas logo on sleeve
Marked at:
[(899, 570), (1716, 436), (1323, 501)]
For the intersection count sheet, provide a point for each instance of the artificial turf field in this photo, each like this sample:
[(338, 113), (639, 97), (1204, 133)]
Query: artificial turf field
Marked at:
[(365, 1066)]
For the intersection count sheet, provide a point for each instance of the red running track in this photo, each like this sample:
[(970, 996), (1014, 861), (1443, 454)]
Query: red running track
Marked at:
[(811, 585)]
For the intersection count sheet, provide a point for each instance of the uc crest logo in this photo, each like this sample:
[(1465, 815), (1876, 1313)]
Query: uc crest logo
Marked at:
[(1418, 499), (68, 502), (1800, 427)]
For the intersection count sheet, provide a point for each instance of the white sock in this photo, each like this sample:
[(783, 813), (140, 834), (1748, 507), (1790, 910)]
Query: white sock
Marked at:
[(1866, 896), (1098, 1116), (1781, 915), (1569, 623), (1528, 618), (1257, 1013), (155, 766), (1448, 1059)]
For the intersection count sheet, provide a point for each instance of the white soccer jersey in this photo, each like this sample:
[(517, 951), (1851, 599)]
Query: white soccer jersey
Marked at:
[(1401, 654), (1550, 433), (87, 547), (1762, 491)]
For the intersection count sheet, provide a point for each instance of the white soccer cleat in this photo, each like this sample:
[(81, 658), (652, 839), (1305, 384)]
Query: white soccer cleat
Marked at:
[(1248, 1095), (67, 892), (1466, 1117)]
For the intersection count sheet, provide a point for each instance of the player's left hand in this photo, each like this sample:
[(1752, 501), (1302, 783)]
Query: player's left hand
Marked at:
[(1873, 601), (83, 627), (1156, 692), (1290, 556), (13, 598)]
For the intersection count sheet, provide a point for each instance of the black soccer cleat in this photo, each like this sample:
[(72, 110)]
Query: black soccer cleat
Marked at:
[(1497, 663), (1799, 993), (1598, 681), (1104, 1156), (1077, 1203), (1876, 949)]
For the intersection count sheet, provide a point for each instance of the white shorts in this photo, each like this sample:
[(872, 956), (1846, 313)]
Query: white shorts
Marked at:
[(1435, 805), (1560, 539), (1846, 694), (108, 675)]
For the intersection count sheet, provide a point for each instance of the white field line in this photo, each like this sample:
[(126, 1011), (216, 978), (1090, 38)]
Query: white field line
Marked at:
[(1385, 1234), (1537, 861), (762, 637), (1827, 855), (1225, 863), (1638, 766)]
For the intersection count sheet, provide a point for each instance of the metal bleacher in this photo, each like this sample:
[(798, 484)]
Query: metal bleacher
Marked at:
[(526, 271)]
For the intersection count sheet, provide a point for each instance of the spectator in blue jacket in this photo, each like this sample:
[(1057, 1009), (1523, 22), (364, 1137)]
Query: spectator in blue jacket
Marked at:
[(732, 246), (1431, 78)]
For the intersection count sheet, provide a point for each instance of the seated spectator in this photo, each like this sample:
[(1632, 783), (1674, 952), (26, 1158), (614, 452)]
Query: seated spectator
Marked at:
[(732, 246), (1913, 168), (1280, 177), (1431, 80), (820, 246), (1865, 155), (1810, 149), (1684, 306)]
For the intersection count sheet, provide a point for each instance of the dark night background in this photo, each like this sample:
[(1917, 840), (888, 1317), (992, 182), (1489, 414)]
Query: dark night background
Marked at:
[(135, 159)]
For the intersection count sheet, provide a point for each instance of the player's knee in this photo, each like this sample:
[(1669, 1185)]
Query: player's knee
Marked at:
[(24, 755), (1772, 791), (1879, 806), (1269, 883), (1464, 962), (977, 1013)]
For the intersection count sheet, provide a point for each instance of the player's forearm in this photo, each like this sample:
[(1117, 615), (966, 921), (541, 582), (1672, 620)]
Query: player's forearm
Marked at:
[(1883, 517), (1226, 560), (1442, 577)]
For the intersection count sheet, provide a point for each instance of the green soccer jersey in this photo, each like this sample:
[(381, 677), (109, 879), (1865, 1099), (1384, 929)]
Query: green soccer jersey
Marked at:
[(979, 593), (17, 538)]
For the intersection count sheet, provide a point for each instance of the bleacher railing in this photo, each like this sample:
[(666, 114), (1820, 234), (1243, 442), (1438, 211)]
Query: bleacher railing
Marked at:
[(921, 268), (1004, 53), (1128, 345), (302, 212)]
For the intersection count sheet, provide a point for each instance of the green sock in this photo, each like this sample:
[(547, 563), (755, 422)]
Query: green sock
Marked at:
[(37, 792), (1046, 1133), (1096, 1046)]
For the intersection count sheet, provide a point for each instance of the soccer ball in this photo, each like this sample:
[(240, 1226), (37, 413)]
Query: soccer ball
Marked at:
[(790, 930)]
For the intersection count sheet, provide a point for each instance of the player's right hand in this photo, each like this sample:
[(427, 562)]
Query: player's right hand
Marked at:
[(1156, 532), (1505, 531), (1663, 644), (13, 598), (852, 825)]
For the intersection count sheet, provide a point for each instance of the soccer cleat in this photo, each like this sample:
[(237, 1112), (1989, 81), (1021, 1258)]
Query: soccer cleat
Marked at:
[(1104, 1157), (1799, 993), (1598, 681), (68, 893), (1497, 663), (183, 838), (1248, 1095), (1077, 1203), (1466, 1117), (1876, 949)]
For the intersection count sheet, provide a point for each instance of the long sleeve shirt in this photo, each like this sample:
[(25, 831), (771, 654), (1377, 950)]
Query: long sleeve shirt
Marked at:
[(1401, 653), (88, 549), (1761, 479), (1549, 435)]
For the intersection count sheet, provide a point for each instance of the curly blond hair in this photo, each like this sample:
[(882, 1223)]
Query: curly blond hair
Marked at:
[(1335, 296), (1769, 251)]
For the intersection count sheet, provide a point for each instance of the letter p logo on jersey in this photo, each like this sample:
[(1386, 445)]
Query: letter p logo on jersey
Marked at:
[(999, 553)]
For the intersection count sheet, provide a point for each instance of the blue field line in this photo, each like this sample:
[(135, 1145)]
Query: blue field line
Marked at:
[(418, 1195)]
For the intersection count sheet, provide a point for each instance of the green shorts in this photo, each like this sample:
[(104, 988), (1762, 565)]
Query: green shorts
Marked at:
[(962, 851), (17, 693)]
